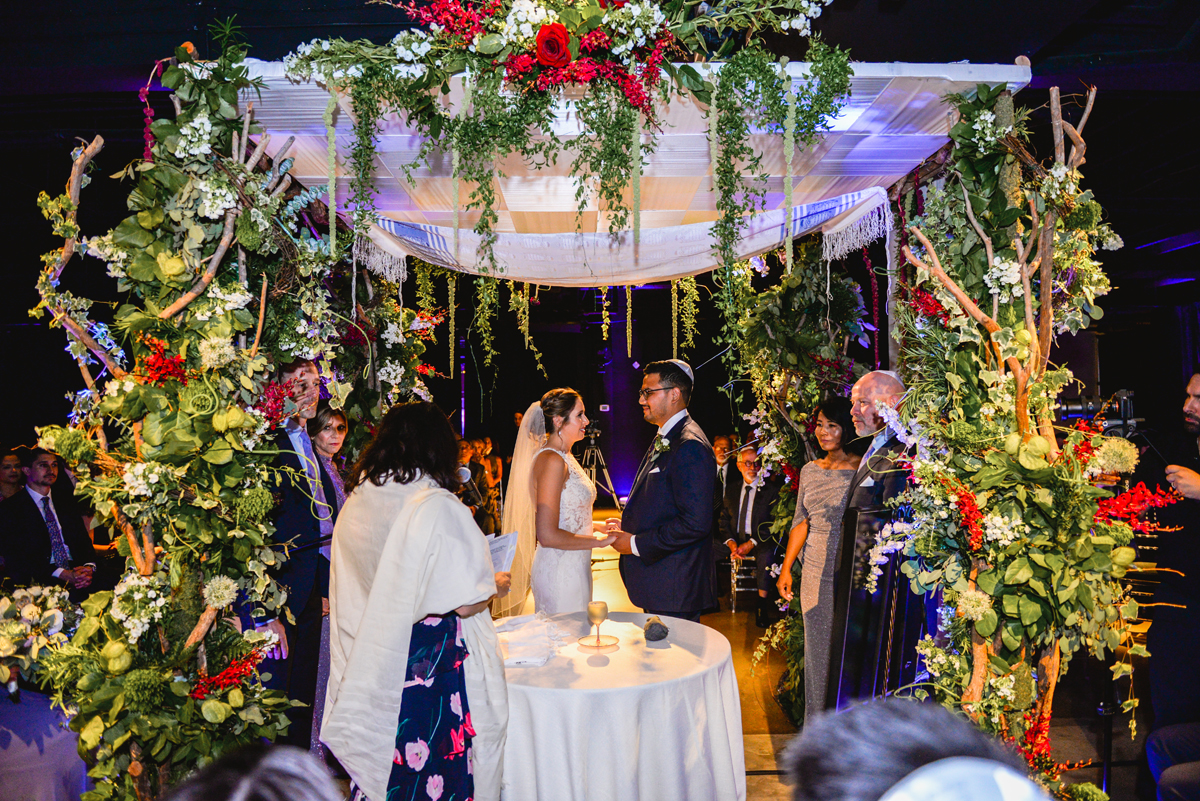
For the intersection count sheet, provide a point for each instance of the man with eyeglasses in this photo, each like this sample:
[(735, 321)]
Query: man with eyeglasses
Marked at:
[(665, 534)]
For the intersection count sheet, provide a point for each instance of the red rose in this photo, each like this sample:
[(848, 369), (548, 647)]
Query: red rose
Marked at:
[(552, 45), (613, 3)]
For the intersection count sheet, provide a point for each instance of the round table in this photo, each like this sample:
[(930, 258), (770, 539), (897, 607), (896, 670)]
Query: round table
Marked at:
[(646, 720)]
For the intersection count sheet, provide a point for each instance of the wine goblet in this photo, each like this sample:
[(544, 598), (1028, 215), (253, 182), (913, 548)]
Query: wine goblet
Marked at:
[(597, 614)]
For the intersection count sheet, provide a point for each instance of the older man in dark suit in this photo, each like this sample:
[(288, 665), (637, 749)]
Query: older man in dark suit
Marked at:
[(665, 534), (304, 518), (746, 522), (44, 542)]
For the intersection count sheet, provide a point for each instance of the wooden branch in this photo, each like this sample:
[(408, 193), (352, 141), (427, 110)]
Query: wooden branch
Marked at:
[(1078, 146), (240, 153), (257, 155), (1046, 310), (980, 659), (276, 175), (262, 315), (987, 240), (178, 105), (1056, 125), (206, 279), (202, 626), (148, 548), (1087, 109), (74, 186), (80, 333), (135, 548), (137, 439), (1049, 665), (283, 186)]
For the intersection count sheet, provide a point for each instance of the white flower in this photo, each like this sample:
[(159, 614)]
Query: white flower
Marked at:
[(1116, 455), (393, 334), (220, 592), (1004, 280), (974, 604), (391, 372), (215, 353)]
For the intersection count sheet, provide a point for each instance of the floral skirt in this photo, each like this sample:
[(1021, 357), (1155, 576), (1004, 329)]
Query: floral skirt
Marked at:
[(432, 759)]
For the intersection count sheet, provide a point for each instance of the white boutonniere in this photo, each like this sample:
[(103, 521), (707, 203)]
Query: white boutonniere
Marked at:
[(661, 446)]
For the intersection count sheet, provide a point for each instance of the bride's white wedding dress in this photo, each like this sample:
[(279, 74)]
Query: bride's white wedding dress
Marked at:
[(562, 580)]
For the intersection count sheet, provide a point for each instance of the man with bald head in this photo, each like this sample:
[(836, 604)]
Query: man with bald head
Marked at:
[(874, 634)]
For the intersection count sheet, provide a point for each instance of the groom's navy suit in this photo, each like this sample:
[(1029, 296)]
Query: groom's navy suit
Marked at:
[(670, 513)]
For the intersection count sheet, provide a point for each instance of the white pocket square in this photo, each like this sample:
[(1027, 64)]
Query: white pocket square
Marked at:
[(867, 482), (656, 470)]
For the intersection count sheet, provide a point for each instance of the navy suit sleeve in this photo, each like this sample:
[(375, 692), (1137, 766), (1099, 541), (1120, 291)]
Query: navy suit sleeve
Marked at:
[(726, 530), (693, 471)]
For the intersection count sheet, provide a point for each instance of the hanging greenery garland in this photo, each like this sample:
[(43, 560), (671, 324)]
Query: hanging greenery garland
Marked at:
[(675, 319), (331, 166), (789, 152), (487, 305), (451, 285), (629, 320), (635, 177), (689, 309), (604, 318)]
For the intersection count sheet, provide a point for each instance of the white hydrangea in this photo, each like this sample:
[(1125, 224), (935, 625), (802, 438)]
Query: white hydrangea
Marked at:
[(222, 301), (137, 602), (216, 197), (1004, 687), (195, 138), (1004, 280), (412, 46), (140, 477), (524, 19), (102, 247), (632, 25), (937, 661), (393, 335), (1001, 530), (974, 604), (391, 372), (1112, 242)]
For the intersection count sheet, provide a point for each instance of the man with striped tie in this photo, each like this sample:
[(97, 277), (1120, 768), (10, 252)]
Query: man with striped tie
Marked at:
[(43, 544)]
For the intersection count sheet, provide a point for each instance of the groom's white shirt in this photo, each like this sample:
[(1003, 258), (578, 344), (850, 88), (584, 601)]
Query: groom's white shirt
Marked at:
[(662, 432)]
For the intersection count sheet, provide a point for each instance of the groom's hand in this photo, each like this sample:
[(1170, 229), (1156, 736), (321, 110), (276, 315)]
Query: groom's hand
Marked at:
[(621, 543)]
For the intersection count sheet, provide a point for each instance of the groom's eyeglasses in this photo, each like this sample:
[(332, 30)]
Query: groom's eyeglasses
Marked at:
[(646, 393)]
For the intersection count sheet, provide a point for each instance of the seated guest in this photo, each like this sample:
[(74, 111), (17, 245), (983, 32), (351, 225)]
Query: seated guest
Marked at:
[(876, 750), (259, 773), (12, 480), (821, 492), (411, 576), (43, 539), (746, 523)]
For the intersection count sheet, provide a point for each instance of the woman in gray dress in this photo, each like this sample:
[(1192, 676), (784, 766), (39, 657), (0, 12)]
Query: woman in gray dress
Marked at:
[(816, 529)]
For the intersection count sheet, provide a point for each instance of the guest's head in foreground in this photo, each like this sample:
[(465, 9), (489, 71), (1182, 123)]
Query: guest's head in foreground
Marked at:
[(306, 386), (260, 773), (565, 417), (863, 752), (412, 439), (880, 386), (11, 477), (722, 445), (666, 390), (328, 429), (834, 430), (40, 467)]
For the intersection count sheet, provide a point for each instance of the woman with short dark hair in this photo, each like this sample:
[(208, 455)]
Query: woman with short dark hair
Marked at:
[(411, 572), (823, 487)]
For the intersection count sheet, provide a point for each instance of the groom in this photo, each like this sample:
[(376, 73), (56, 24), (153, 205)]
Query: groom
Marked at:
[(665, 535)]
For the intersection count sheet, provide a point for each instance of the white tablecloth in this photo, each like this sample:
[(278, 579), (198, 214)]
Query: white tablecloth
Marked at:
[(653, 721)]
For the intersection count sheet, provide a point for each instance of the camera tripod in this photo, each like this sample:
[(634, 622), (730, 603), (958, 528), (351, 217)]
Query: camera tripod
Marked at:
[(593, 463)]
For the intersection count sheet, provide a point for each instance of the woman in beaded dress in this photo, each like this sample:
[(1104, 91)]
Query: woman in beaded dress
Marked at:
[(550, 503), (816, 530)]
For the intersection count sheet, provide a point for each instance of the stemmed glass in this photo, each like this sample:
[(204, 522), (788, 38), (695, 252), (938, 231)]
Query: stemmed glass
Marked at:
[(597, 614)]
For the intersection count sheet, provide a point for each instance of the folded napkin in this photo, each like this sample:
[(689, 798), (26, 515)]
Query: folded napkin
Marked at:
[(528, 640)]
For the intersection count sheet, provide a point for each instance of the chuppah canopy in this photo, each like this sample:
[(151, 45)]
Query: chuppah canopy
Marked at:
[(894, 119)]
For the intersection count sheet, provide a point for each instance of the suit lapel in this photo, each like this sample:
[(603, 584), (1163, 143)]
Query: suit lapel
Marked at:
[(647, 460)]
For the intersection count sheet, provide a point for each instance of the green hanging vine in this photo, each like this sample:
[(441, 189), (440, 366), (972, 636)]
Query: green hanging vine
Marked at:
[(605, 161), (487, 305), (675, 319), (518, 303), (689, 309), (604, 318), (629, 320), (789, 152), (331, 166), (635, 178), (451, 285)]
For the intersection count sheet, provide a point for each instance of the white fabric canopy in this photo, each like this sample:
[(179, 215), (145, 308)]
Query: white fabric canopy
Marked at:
[(894, 119)]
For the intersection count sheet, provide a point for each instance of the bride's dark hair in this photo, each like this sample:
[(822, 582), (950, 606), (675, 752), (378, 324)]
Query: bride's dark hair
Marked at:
[(412, 438), (558, 403)]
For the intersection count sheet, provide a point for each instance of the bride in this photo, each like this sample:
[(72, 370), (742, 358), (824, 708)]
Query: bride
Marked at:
[(550, 502)]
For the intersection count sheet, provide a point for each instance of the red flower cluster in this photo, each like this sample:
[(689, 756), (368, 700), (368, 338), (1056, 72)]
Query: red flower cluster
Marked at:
[(595, 40), (272, 404), (358, 335), (968, 510), (791, 478), (553, 45), (426, 369), (237, 673), (1085, 450), (430, 321), (1129, 506), (160, 368), (927, 305), (461, 21), (835, 372)]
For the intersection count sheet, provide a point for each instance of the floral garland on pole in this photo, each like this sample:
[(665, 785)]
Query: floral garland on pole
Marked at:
[(1003, 518), (155, 675)]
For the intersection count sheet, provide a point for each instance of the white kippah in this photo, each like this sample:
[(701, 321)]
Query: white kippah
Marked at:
[(684, 366)]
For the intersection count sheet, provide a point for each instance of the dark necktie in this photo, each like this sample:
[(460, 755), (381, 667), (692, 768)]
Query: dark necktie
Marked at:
[(59, 553), (742, 524)]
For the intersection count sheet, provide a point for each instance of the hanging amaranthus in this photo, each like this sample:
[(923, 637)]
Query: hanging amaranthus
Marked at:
[(518, 302), (689, 306), (675, 319), (789, 149), (635, 176), (451, 285), (425, 299), (331, 147), (629, 320), (468, 89), (604, 319)]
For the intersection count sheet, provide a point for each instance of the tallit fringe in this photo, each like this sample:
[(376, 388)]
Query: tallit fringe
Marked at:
[(873, 225), (379, 261)]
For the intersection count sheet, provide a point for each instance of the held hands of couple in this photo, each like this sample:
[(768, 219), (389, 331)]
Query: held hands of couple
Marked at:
[(280, 649), (621, 538), (78, 577)]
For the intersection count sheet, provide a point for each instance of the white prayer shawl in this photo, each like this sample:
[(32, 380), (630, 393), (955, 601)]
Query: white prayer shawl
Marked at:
[(402, 552)]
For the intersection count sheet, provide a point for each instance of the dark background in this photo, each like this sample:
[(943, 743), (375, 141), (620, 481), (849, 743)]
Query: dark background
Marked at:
[(73, 70)]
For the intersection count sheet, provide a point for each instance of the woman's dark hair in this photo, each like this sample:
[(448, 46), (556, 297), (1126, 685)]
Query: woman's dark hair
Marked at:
[(837, 410), (412, 438), (859, 754), (260, 773), (324, 414), (558, 403)]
